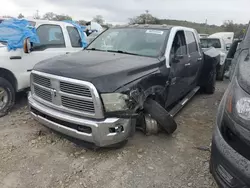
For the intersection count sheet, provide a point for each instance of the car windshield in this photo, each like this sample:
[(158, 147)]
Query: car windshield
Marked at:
[(137, 41), (207, 43)]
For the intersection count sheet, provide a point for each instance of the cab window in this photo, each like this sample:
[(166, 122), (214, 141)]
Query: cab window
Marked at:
[(191, 42), (50, 36), (179, 46), (74, 36)]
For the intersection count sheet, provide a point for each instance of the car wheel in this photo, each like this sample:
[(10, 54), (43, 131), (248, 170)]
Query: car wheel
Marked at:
[(210, 87), (159, 113), (7, 97)]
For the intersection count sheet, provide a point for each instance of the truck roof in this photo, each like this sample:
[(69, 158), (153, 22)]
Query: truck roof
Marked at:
[(49, 22), (154, 26)]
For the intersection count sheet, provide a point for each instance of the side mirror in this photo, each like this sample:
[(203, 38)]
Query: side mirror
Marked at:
[(177, 58), (26, 46)]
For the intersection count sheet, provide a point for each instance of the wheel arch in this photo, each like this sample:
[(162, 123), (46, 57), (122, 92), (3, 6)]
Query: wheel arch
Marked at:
[(153, 86), (8, 75)]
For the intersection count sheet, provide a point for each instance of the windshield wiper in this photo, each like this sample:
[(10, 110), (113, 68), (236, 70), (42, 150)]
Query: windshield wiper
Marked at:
[(94, 49), (114, 51), (122, 52)]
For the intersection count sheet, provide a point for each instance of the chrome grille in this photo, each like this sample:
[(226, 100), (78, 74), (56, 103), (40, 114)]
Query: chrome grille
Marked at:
[(65, 94), (45, 95), (78, 104), (42, 81), (75, 89)]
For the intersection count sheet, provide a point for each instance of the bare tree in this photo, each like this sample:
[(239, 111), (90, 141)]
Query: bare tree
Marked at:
[(56, 17), (20, 16), (145, 18), (82, 22), (99, 19), (49, 16), (62, 17)]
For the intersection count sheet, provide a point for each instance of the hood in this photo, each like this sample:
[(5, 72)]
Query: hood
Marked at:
[(107, 71)]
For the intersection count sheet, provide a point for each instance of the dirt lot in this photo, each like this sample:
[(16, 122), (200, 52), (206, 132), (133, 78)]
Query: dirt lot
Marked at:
[(32, 156)]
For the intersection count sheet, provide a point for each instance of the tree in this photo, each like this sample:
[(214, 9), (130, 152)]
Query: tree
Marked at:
[(82, 22), (238, 29), (145, 18), (229, 26), (49, 16), (20, 16), (99, 19), (56, 17), (62, 17)]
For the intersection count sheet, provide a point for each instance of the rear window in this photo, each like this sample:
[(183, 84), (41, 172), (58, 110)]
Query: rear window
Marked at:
[(191, 42), (207, 43), (74, 36)]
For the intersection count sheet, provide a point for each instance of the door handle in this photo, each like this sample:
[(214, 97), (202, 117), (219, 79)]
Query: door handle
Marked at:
[(67, 52), (199, 59), (188, 64)]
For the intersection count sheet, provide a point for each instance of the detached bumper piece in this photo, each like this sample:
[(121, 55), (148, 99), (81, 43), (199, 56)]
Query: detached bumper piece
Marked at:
[(229, 168), (105, 132)]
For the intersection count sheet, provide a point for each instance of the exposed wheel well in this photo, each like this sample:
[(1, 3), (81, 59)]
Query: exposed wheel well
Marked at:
[(8, 75)]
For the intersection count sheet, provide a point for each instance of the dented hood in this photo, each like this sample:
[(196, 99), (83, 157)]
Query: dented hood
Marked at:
[(107, 71)]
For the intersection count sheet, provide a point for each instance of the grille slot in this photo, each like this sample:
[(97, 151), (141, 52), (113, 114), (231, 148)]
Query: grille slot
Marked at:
[(42, 81), (45, 95), (75, 89), (78, 104)]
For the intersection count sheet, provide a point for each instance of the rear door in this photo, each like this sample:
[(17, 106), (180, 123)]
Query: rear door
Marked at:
[(195, 57), (75, 39), (179, 72)]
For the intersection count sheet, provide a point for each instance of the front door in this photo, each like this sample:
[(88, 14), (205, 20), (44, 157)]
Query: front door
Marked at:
[(179, 71), (52, 43)]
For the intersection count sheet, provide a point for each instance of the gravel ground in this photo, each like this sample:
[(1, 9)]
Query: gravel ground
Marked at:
[(33, 156)]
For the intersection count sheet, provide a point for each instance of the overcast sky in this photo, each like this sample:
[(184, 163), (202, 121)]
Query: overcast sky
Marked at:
[(118, 11)]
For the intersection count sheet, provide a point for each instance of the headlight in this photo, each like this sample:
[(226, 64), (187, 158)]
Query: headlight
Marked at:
[(243, 108), (115, 102), (238, 103)]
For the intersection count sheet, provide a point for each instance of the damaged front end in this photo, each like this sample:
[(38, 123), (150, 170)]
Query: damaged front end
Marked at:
[(142, 106)]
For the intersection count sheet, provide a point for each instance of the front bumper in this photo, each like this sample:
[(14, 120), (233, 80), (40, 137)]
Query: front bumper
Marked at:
[(102, 133), (229, 168)]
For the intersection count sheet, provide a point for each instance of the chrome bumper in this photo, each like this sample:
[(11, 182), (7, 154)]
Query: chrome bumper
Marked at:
[(103, 132)]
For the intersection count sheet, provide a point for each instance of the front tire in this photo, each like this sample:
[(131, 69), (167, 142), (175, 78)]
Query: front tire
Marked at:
[(7, 96), (159, 113)]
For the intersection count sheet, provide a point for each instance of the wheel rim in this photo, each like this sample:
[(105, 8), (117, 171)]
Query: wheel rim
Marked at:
[(3, 98)]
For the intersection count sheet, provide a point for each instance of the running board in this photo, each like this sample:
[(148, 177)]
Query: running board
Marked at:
[(182, 103)]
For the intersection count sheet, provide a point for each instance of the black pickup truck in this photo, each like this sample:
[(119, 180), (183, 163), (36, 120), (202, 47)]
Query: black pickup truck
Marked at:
[(230, 151), (130, 74)]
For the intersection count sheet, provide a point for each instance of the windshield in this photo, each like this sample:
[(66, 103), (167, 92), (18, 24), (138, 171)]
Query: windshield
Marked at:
[(144, 42), (207, 43)]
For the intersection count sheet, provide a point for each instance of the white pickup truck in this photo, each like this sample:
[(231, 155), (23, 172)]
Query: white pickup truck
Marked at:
[(220, 45), (56, 38)]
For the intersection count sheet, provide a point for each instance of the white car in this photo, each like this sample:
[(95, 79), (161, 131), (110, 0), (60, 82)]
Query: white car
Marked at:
[(218, 44), (15, 66)]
